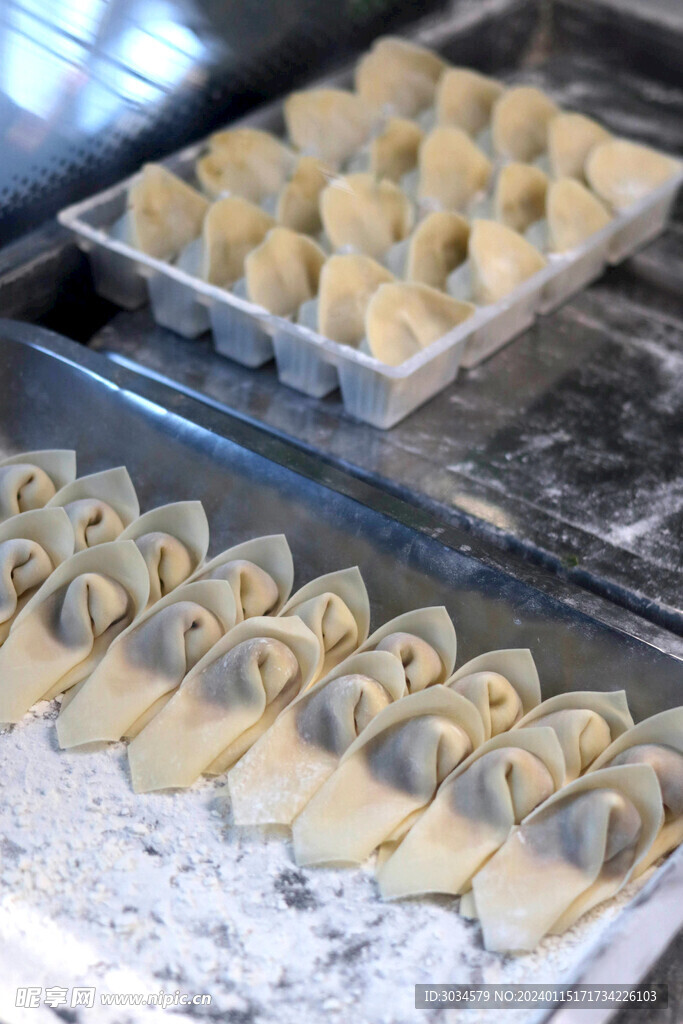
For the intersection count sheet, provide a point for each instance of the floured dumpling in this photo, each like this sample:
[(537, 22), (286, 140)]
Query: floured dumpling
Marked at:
[(366, 215), (437, 246), (274, 780), (574, 214), (330, 124), (623, 172), (465, 99), (244, 162), (500, 260), (163, 215), (586, 722), (220, 707), (232, 228), (70, 621), (100, 506), (502, 685), (30, 479), (32, 545), (337, 608), (657, 741), (404, 318), (173, 540), (387, 775), (283, 271), (394, 151), (147, 662), (520, 123), (452, 168), (398, 76), (577, 849), (423, 640), (519, 197), (347, 283), (498, 785), (298, 205), (260, 572), (570, 139)]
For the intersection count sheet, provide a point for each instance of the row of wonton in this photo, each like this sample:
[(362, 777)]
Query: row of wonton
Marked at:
[(465, 782), (385, 270)]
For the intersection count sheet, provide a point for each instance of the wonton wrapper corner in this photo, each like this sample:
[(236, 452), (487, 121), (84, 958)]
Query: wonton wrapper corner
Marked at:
[(100, 506), (30, 479), (260, 572)]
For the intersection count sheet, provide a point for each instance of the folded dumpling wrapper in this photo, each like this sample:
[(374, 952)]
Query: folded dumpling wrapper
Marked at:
[(437, 246), (63, 632), (248, 676), (475, 808), (423, 640), (163, 214), (337, 608), (347, 283), (260, 572), (570, 139), (274, 780), (586, 722), (298, 205), (657, 741), (501, 260), (394, 150), (520, 123), (574, 214), (365, 215), (398, 76), (622, 172), (520, 195), (387, 775), (32, 545), (465, 99), (330, 124), (503, 686), (283, 271), (173, 540), (100, 506), (146, 662), (453, 170), (232, 228), (30, 479), (244, 162), (577, 849), (403, 318)]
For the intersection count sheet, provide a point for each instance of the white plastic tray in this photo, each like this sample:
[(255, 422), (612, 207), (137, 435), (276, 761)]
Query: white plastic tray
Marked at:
[(378, 394)]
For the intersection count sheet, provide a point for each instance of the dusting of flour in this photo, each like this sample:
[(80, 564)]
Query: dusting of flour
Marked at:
[(137, 894)]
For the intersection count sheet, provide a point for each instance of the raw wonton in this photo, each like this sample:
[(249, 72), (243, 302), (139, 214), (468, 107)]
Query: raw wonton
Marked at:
[(500, 260), (398, 76), (244, 162), (276, 778), (100, 506), (330, 124), (30, 479), (437, 246), (366, 215), (623, 172), (465, 99), (404, 318), (260, 572), (520, 123), (298, 205), (574, 214), (570, 139), (147, 661), (32, 545), (347, 284), (391, 771), (336, 607), (452, 168), (423, 640), (574, 851), (503, 686), (163, 214), (393, 152), (283, 271), (232, 228), (64, 630), (498, 785), (249, 675), (173, 540), (520, 194)]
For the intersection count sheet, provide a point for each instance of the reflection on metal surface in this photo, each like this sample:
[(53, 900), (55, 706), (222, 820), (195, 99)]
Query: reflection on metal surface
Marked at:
[(485, 510)]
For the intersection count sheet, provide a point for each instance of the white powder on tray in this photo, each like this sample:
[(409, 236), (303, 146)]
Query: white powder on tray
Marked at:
[(137, 894)]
